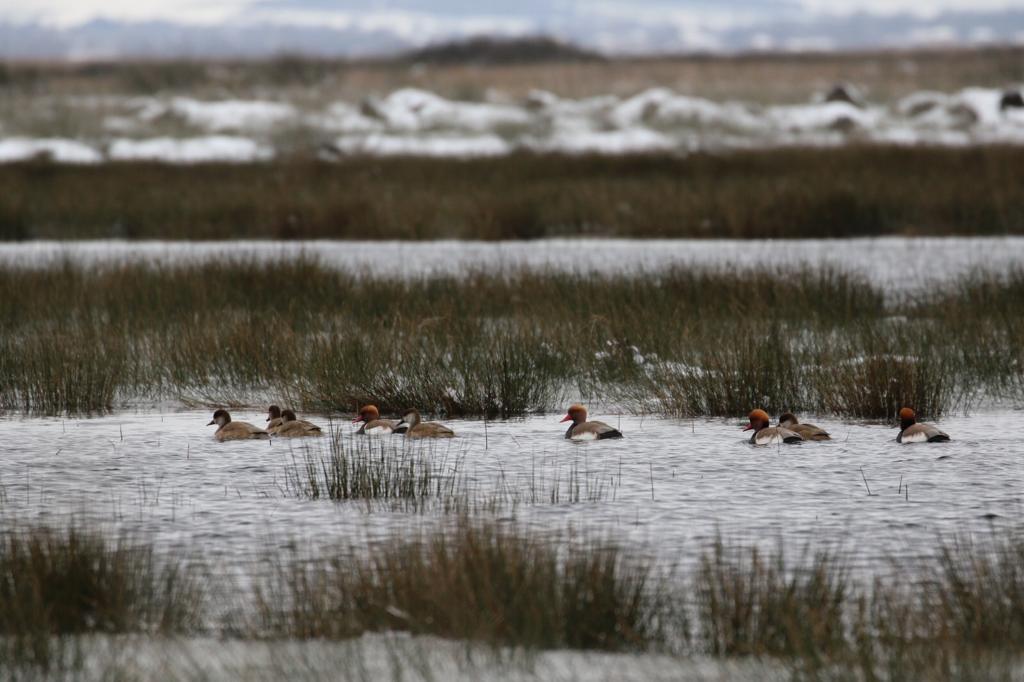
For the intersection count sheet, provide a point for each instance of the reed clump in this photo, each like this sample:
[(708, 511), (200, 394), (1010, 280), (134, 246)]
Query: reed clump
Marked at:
[(488, 582), (373, 469), (396, 474), (858, 190), (755, 604), (480, 582), (939, 619), (55, 583)]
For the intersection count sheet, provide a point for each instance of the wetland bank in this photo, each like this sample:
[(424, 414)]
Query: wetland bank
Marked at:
[(682, 544), (90, 338), (670, 291)]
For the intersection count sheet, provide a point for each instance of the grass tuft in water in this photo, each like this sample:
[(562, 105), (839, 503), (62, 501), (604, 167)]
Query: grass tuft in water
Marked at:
[(56, 583), (481, 581)]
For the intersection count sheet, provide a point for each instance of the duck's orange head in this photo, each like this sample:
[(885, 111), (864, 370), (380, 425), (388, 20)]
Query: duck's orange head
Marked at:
[(758, 420), (907, 417), (367, 413), (577, 413)]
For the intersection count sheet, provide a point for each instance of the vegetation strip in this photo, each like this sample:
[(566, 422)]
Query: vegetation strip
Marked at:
[(688, 342), (843, 192), (494, 583)]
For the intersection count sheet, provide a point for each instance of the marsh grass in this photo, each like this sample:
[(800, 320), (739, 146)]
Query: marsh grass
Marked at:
[(481, 581), (853, 191), (378, 470), (941, 619), (956, 615), (490, 582), (751, 603), (59, 583), (687, 342), (425, 476)]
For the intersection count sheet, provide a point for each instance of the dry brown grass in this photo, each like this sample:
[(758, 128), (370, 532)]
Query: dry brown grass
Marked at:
[(81, 339), (848, 192), (756, 77)]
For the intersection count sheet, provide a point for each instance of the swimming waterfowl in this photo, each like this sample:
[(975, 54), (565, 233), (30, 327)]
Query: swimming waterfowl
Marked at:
[(913, 432), (769, 435), (294, 428), (412, 426), (274, 420), (372, 424), (229, 430), (581, 429), (809, 431)]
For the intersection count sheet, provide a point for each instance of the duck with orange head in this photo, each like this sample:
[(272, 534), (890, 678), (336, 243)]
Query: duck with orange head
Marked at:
[(765, 434), (581, 429), (372, 424), (911, 431)]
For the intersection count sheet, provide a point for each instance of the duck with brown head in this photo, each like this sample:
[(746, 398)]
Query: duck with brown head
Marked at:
[(274, 420), (413, 427), (229, 430), (581, 429), (372, 424), (296, 428), (913, 432), (809, 431), (765, 434)]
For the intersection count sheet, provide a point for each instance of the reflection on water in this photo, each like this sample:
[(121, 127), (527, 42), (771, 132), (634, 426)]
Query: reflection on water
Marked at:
[(668, 487)]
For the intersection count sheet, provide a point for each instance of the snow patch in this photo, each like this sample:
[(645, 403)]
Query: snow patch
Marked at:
[(53, 148), (224, 115), (190, 150), (379, 144)]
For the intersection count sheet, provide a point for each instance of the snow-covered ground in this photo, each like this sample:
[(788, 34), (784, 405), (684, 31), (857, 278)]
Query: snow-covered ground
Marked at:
[(417, 122)]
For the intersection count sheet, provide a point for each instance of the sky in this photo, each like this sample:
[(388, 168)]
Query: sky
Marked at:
[(66, 13), (69, 27)]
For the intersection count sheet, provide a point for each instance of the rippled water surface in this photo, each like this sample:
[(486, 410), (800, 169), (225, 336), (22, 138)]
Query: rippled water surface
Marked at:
[(897, 264), (668, 487)]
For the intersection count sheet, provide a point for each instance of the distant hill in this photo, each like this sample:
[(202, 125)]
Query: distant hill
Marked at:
[(486, 50)]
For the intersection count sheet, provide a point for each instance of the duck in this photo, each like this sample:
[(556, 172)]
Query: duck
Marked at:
[(274, 420), (809, 431), (913, 432), (764, 434), (413, 427), (581, 429), (293, 428), (229, 430), (369, 416)]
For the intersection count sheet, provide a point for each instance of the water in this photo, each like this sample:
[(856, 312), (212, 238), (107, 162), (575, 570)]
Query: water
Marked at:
[(896, 264), (666, 489)]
